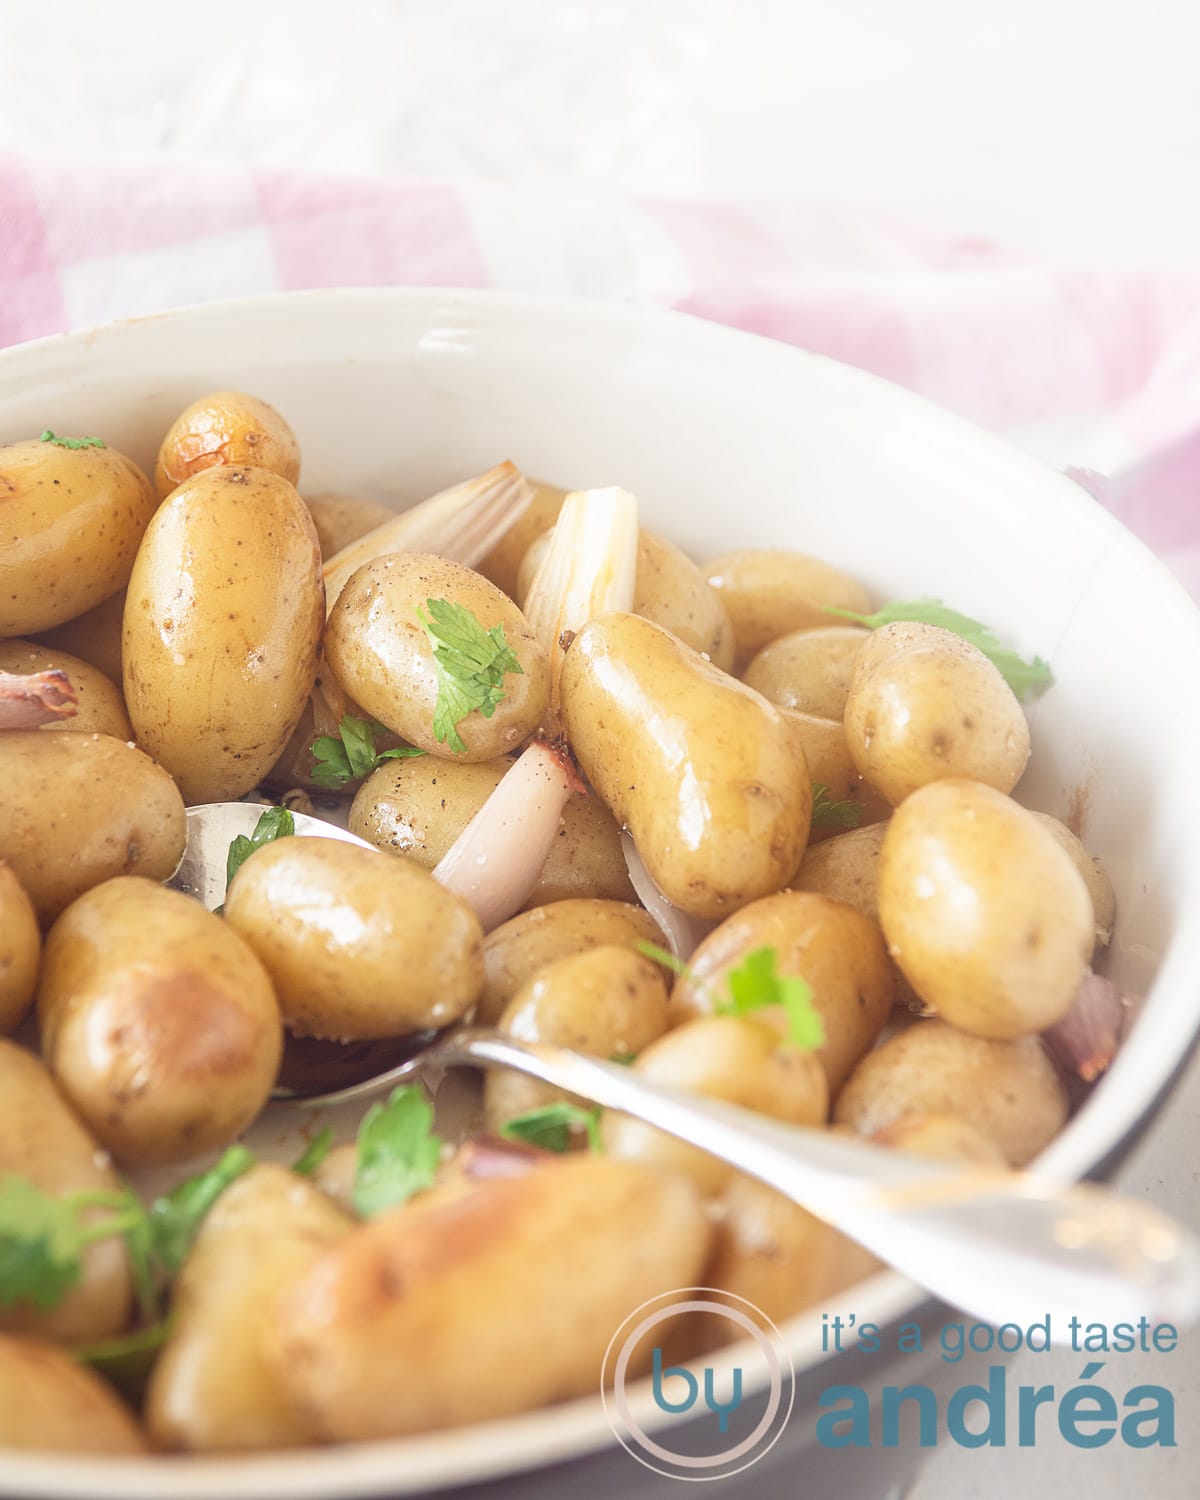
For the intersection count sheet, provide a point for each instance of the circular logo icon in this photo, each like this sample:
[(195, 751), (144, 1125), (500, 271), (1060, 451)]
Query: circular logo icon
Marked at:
[(710, 1418)]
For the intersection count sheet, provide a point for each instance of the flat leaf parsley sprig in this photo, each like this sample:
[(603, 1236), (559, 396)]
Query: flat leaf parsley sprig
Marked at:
[(352, 754), (471, 663), (755, 984)]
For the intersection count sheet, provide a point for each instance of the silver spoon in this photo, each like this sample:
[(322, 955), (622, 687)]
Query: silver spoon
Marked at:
[(1005, 1247)]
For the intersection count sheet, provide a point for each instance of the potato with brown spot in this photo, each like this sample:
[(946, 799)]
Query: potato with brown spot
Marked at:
[(809, 670), (342, 519), (225, 429), (20, 950), (99, 707), (158, 1023), (50, 1403)]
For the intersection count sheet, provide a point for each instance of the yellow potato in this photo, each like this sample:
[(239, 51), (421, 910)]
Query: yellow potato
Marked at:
[(51, 1403), (521, 947), (80, 808), (1008, 1091), (335, 1176), (418, 807), (93, 637), (608, 1002), (702, 770), (808, 670), (925, 705), (20, 950), (942, 1137), (987, 917), (1104, 900), (158, 1022), (213, 1390), (836, 950), (740, 1060), (845, 868), (72, 522), (502, 565), (223, 625), (770, 594), (358, 945), (822, 743), (222, 430), (99, 707), (342, 519), (455, 1308), (382, 655), (43, 1142)]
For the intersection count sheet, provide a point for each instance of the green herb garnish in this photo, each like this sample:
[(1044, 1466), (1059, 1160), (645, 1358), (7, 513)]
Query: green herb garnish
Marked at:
[(126, 1360), (625, 1059), (398, 1152), (314, 1153), (274, 823), (65, 442), (829, 814), (352, 754), (176, 1217), (471, 663), (554, 1126)]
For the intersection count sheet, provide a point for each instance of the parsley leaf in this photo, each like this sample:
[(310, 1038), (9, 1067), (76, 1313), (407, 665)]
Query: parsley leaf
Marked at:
[(398, 1152), (828, 814), (126, 1359), (314, 1153), (552, 1126), (65, 442), (275, 823), (43, 1237), (625, 1059), (352, 755), (176, 1218), (1024, 677), (755, 985), (471, 664)]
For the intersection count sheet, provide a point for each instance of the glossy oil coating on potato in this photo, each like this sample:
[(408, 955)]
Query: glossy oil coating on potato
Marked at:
[(456, 1307), (924, 705), (42, 1141), (51, 1403), (701, 769), (99, 707), (93, 637), (383, 657), (985, 914), (224, 429), (808, 670), (70, 523), (20, 950), (342, 519), (158, 1023), (836, 950), (822, 743), (223, 621), (502, 565), (213, 1389), (80, 808), (1008, 1091), (845, 868), (1100, 888), (358, 944)]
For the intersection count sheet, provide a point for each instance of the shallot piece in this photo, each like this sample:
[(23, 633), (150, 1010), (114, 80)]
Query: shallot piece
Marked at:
[(492, 1156), (683, 933), (495, 861), (1085, 1040), (30, 700)]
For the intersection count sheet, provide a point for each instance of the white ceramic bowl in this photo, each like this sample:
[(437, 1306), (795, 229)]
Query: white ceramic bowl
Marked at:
[(727, 440)]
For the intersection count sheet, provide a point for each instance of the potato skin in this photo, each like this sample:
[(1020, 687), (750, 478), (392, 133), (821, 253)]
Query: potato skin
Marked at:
[(808, 670), (942, 1137), (212, 1389), (383, 1336), (822, 743), (72, 521), (158, 1023), (845, 868), (502, 565), (770, 593), (1104, 899), (1008, 1091), (985, 914), (81, 808), (701, 769), (418, 807), (217, 673), (43, 1141), (99, 707), (358, 945), (342, 519), (20, 950), (49, 1402), (93, 637), (223, 429), (382, 656), (837, 950), (519, 948)]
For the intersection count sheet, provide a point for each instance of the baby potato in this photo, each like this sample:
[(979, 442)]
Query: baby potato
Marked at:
[(524, 945), (924, 705), (335, 1176), (20, 950), (770, 593), (358, 945), (808, 670), (987, 917), (822, 743), (223, 623), (419, 806), (1007, 1091), (502, 565), (845, 868), (213, 1389), (81, 808), (99, 707), (701, 769), (382, 655), (73, 518), (608, 1002), (49, 1402), (941, 1137), (342, 519), (1104, 900), (226, 429), (43, 1142), (738, 1059), (93, 637), (158, 1023), (837, 950), (454, 1309)]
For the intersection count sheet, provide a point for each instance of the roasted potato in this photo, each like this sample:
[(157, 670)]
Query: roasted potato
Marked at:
[(502, 565), (342, 519), (20, 950), (224, 430), (1104, 900), (93, 637), (99, 707), (51, 1403), (808, 670)]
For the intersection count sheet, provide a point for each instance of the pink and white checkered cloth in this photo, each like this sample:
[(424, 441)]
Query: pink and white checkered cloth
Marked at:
[(1099, 371)]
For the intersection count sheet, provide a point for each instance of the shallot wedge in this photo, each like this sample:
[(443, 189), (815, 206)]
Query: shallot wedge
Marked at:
[(1085, 1040), (495, 861), (30, 700), (683, 933)]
